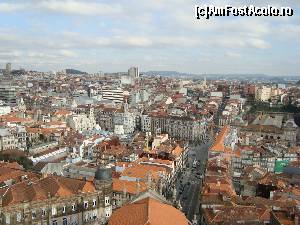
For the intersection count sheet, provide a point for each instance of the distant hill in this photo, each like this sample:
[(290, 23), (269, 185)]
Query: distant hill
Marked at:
[(228, 76), (73, 71)]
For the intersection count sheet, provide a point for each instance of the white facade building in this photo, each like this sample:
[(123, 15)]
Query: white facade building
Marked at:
[(263, 93), (126, 120), (4, 109), (127, 80), (7, 140), (115, 95), (81, 122)]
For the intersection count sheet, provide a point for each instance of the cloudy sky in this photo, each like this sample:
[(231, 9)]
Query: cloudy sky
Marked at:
[(111, 35)]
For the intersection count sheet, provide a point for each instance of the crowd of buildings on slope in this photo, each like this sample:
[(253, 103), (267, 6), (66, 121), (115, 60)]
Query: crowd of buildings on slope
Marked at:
[(141, 128), (251, 183)]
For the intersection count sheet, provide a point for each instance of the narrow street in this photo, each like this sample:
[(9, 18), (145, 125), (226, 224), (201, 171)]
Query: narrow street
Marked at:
[(189, 184)]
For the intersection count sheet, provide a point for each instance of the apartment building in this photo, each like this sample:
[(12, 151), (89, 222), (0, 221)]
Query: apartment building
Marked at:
[(81, 122), (8, 94), (263, 93), (55, 200), (186, 128), (246, 156), (114, 95), (7, 139), (270, 128)]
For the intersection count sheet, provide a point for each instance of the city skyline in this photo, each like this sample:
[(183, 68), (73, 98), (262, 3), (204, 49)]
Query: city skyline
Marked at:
[(161, 35)]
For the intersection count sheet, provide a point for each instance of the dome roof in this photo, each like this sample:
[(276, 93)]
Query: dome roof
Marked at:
[(103, 173)]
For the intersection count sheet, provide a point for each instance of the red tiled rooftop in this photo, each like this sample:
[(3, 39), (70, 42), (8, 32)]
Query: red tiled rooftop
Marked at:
[(148, 211)]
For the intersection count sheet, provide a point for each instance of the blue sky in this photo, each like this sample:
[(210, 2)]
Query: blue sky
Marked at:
[(110, 36)]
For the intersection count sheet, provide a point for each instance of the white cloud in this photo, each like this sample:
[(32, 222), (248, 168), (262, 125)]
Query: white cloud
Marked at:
[(233, 55), (239, 42), (289, 31), (76, 7), (111, 32), (259, 43), (79, 7), (68, 53), (12, 7)]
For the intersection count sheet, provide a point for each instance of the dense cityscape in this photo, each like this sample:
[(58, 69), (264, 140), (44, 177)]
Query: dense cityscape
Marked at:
[(145, 148), (160, 112)]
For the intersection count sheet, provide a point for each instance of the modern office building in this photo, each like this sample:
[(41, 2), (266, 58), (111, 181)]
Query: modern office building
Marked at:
[(8, 94), (134, 72), (115, 95), (8, 69)]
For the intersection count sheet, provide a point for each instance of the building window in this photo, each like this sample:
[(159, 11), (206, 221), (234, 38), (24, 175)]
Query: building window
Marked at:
[(65, 221), (94, 216), (85, 204), (43, 212), (33, 214), (53, 210), (19, 217), (94, 202), (64, 209), (7, 219), (54, 222), (73, 207), (107, 201), (107, 214)]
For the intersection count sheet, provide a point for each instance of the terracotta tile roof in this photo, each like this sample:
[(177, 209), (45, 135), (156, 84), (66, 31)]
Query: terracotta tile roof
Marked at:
[(42, 130), (12, 165), (177, 151), (219, 142), (131, 187), (282, 218), (121, 164), (52, 186), (15, 119), (152, 160), (219, 188), (236, 214), (142, 171), (295, 149), (148, 212), (15, 153), (13, 171), (62, 112), (274, 180)]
